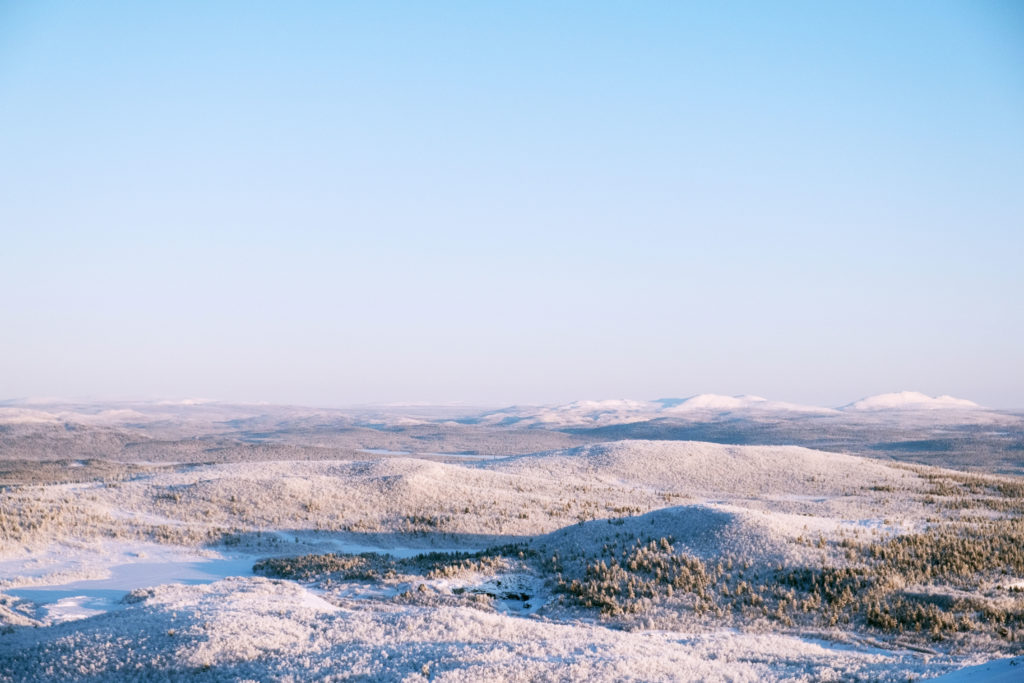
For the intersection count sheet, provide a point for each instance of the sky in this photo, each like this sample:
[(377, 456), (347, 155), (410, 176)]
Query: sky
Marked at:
[(329, 203)]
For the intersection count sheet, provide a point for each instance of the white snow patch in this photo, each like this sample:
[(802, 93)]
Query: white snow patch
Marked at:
[(74, 608)]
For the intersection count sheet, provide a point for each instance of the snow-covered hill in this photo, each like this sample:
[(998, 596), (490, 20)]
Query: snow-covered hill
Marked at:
[(912, 400), (708, 407), (624, 411), (717, 404)]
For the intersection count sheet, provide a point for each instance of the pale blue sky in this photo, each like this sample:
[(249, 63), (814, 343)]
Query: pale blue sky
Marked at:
[(330, 203)]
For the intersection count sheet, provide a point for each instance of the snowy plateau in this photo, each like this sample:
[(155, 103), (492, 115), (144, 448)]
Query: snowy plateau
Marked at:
[(709, 538)]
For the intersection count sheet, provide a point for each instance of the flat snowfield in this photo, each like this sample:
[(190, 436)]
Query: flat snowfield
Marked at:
[(627, 560)]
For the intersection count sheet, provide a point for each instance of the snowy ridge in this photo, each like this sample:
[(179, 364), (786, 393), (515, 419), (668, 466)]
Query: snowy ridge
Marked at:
[(706, 531), (221, 417), (705, 407), (739, 404), (911, 400), (622, 411), (577, 413), (706, 468)]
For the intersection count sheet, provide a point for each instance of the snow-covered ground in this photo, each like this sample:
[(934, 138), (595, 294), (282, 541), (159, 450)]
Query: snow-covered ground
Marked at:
[(121, 568), (260, 629), (552, 565)]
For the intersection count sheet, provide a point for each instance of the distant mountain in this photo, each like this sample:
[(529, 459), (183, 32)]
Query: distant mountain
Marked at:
[(714, 408), (911, 400), (905, 426), (577, 413), (624, 411), (745, 403)]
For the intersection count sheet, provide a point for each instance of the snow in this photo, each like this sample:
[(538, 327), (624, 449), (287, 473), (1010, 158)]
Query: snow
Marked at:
[(61, 563), (267, 630), (623, 411), (228, 418), (910, 400), (15, 415), (716, 403), (202, 614), (708, 469), (78, 582), (707, 531), (188, 402), (1008, 670), (594, 412), (68, 583)]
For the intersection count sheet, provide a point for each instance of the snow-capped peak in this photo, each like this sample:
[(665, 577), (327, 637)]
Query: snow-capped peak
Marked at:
[(742, 403), (910, 400), (716, 402)]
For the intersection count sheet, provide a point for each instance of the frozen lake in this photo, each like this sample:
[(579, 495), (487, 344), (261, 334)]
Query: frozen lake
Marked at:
[(84, 598), (78, 598)]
